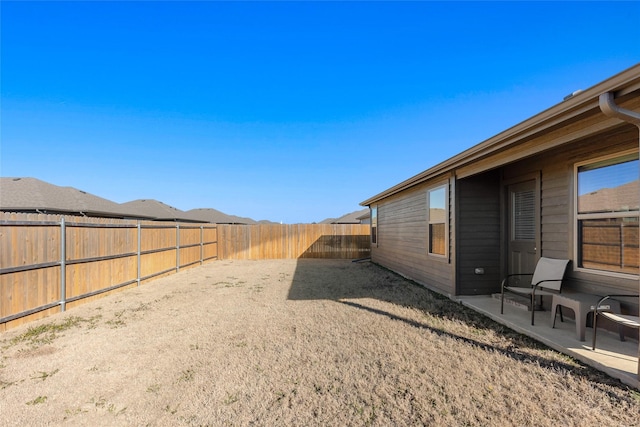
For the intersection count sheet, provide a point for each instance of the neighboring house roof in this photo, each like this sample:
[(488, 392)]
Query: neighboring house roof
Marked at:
[(327, 221), (243, 220), (157, 210), (33, 195), (266, 221), (437, 215), (572, 109), (217, 217), (365, 215), (350, 218), (611, 199)]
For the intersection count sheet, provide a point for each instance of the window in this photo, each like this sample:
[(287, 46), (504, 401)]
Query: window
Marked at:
[(437, 208), (608, 199), (374, 225)]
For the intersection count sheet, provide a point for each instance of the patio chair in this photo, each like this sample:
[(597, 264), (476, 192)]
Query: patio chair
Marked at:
[(545, 280), (620, 319)]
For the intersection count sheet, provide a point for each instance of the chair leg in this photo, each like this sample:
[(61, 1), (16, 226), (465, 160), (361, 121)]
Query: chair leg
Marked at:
[(595, 326), (502, 303), (533, 307)]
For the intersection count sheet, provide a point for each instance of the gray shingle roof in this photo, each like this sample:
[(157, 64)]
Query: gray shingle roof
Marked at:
[(350, 218), (34, 195), (366, 214), (215, 216), (157, 210), (327, 221), (617, 199)]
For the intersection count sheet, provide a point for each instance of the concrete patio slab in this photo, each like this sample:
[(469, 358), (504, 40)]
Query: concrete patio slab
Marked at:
[(619, 359)]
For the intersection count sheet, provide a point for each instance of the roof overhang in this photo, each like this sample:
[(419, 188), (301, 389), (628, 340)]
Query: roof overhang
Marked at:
[(625, 86)]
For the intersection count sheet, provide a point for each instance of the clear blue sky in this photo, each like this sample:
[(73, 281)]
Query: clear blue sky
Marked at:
[(286, 111)]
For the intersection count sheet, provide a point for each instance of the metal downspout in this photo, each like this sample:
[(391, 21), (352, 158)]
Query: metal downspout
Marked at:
[(611, 109)]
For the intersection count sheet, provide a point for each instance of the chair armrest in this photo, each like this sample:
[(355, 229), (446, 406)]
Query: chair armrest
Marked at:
[(535, 286), (506, 279), (603, 299)]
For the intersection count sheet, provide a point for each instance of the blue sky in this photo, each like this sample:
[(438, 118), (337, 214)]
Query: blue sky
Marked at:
[(286, 111)]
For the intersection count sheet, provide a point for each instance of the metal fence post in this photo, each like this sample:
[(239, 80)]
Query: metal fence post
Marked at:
[(621, 244), (63, 265), (139, 255)]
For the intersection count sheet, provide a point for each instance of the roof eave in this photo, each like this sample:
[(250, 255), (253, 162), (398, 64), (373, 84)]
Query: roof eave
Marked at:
[(621, 84)]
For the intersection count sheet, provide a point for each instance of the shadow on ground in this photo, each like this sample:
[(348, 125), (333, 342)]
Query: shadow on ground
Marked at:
[(339, 280), (352, 283)]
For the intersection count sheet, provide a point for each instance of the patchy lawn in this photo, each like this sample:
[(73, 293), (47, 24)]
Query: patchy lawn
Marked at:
[(286, 342)]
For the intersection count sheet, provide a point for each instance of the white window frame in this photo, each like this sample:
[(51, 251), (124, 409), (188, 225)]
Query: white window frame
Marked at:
[(577, 217), (444, 186)]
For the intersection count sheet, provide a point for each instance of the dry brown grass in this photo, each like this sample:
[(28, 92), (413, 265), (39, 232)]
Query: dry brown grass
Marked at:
[(293, 343)]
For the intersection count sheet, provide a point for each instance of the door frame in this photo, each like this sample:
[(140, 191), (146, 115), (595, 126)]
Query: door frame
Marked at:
[(506, 220)]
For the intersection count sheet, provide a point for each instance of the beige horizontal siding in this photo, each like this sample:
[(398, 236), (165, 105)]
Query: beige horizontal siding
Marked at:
[(402, 240)]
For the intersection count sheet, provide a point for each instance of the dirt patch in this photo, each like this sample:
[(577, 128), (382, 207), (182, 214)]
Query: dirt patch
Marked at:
[(307, 342)]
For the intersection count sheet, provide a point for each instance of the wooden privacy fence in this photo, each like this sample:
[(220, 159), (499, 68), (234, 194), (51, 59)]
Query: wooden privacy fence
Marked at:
[(275, 241), (609, 245), (49, 262)]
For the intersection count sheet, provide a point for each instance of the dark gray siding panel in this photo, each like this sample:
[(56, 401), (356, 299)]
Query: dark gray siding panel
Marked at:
[(478, 232)]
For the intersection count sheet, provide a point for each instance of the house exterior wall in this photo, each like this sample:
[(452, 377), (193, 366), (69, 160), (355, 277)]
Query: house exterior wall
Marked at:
[(556, 169), (544, 153), (546, 148), (402, 238), (477, 221)]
